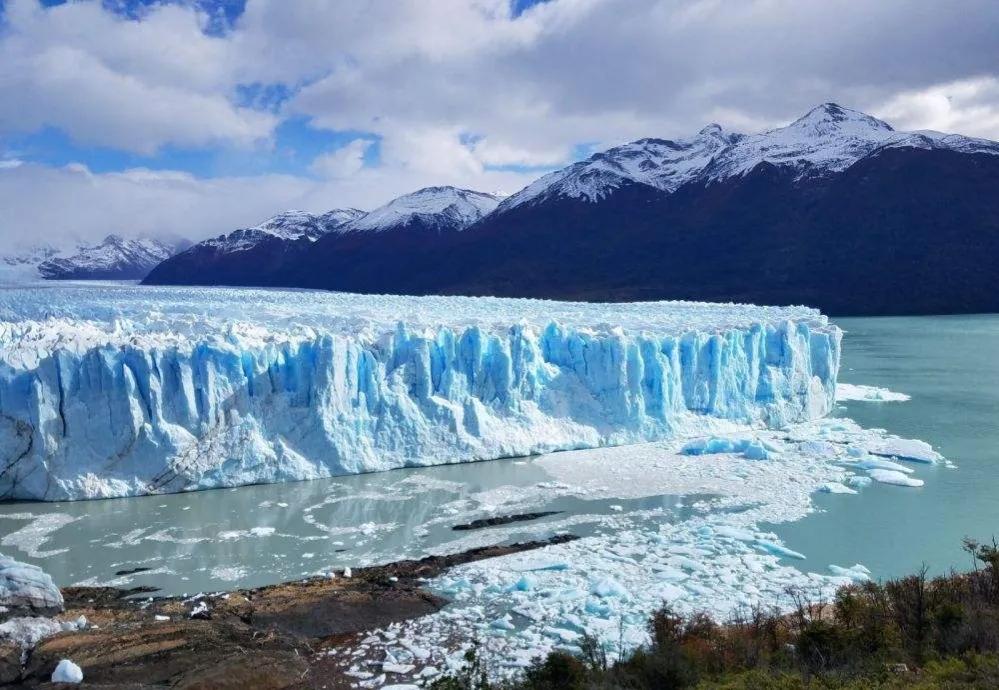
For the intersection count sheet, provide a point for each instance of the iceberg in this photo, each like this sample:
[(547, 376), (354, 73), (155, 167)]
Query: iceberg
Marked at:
[(120, 391)]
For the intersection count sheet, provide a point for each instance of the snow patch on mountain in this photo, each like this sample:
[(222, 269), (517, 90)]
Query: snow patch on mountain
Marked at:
[(115, 258), (435, 208), (826, 140), (289, 225)]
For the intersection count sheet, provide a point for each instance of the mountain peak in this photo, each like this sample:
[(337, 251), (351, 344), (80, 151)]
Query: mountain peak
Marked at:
[(827, 139), (832, 116), (441, 207)]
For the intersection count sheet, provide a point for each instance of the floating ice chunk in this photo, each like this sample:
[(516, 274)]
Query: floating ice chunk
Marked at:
[(397, 668), (567, 636), (757, 451), (608, 588), (893, 477), (753, 449), (709, 446), (561, 565), (684, 562), (671, 592), (669, 573), (67, 672), (777, 549), (525, 584), (907, 449), (503, 623), (850, 391), (857, 573), (734, 533), (875, 463), (836, 488), (822, 449), (858, 480)]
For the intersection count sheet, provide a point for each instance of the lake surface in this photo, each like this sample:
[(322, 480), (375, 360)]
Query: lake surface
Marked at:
[(256, 535), (950, 367)]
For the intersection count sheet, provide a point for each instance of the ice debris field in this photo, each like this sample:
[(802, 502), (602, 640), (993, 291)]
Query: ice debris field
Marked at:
[(716, 558), (123, 391)]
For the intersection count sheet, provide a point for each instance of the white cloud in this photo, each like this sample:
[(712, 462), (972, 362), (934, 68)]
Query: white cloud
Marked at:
[(71, 203), (345, 161), (451, 89), (134, 85), (970, 106)]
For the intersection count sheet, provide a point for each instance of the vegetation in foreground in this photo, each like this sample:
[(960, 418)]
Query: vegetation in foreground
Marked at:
[(912, 632)]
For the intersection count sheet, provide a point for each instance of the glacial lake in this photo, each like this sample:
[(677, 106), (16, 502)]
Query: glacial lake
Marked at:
[(213, 540)]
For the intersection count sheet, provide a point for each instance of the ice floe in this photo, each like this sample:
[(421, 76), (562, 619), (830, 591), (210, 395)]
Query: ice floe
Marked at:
[(851, 391)]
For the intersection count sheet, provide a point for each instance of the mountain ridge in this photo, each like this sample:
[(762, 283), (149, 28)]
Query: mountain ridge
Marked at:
[(720, 216)]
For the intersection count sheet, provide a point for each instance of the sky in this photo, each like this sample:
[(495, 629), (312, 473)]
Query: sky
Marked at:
[(194, 117)]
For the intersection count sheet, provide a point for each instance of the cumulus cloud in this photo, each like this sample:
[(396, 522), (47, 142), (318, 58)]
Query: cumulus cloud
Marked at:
[(454, 91), (345, 161), (131, 85), (71, 203), (63, 205), (969, 106)]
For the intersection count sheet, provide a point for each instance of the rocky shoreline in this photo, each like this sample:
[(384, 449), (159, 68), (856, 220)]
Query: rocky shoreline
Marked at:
[(276, 636)]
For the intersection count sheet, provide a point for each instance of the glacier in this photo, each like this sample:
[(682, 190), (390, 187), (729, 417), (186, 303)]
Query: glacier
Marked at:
[(112, 391)]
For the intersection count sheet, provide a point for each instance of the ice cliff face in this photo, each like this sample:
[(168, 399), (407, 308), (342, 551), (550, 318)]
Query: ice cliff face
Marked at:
[(160, 390)]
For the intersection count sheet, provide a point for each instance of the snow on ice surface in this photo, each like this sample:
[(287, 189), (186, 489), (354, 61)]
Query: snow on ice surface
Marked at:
[(718, 560), (827, 139), (219, 387)]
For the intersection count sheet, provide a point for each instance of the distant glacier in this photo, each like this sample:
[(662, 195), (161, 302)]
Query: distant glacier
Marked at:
[(108, 392)]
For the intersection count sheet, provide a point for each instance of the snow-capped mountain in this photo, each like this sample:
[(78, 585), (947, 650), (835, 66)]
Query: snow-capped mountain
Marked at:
[(20, 265), (289, 225), (432, 208), (243, 257), (826, 140), (837, 210), (114, 258)]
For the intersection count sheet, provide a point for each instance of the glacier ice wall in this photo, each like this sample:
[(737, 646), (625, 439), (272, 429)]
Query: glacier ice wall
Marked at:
[(101, 409)]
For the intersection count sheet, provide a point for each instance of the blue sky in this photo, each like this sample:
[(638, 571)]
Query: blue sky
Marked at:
[(196, 116)]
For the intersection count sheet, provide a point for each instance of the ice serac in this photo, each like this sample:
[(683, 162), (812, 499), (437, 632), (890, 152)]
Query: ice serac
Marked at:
[(165, 390)]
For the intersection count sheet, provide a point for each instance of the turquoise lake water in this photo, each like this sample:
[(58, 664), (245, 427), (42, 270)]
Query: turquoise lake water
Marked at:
[(950, 367)]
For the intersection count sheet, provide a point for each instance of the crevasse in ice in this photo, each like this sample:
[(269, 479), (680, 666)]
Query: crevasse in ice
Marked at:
[(118, 392)]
